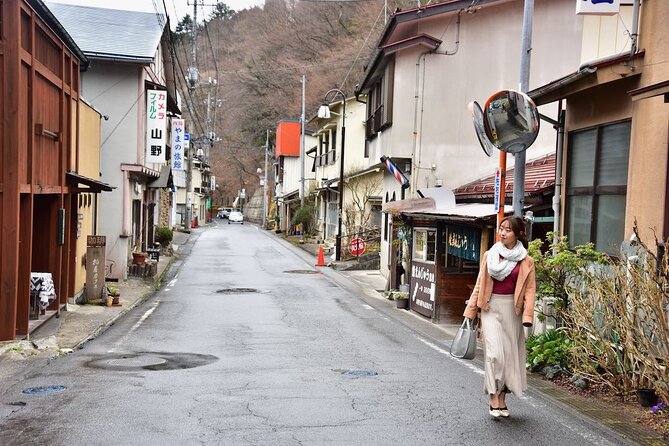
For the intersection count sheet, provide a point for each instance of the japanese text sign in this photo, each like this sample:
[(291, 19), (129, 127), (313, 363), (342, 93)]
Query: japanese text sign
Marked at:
[(178, 144), (156, 117)]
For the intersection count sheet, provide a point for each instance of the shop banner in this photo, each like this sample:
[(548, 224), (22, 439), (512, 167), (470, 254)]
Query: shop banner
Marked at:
[(464, 242), (423, 288), (156, 119), (178, 127)]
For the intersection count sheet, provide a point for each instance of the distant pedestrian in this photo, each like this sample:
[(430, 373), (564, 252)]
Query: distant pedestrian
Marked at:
[(504, 293)]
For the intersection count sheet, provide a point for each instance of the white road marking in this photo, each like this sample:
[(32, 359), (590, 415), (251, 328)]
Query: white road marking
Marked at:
[(136, 326), (367, 307), (464, 362), (172, 282)]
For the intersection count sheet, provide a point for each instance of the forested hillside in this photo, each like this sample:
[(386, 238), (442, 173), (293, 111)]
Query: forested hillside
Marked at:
[(259, 56)]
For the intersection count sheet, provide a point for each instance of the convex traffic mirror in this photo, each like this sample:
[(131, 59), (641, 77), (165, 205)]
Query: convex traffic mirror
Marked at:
[(477, 116), (511, 121)]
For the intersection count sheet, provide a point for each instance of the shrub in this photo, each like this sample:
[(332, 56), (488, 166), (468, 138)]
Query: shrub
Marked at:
[(305, 217), (547, 349), (164, 235), (619, 324)]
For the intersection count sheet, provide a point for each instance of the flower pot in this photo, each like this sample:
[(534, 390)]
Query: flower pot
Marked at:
[(402, 304), (646, 397), (138, 258), (109, 301)]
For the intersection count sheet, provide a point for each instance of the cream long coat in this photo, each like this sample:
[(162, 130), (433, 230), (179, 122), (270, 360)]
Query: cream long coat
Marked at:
[(523, 295)]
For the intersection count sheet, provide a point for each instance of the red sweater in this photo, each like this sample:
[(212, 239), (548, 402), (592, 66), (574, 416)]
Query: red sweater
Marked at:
[(508, 285)]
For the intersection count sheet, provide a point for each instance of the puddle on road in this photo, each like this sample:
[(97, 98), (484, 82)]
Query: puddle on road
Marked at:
[(154, 361)]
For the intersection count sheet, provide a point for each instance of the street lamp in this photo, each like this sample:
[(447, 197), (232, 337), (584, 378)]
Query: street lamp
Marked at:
[(324, 113)]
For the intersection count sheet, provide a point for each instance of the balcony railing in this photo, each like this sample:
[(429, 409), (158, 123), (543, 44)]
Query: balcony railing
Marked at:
[(374, 123)]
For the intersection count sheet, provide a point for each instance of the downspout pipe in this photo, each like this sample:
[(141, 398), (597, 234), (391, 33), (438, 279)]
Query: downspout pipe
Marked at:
[(557, 197), (415, 165), (634, 34)]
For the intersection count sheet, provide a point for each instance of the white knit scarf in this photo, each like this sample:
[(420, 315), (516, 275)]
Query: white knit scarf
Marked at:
[(499, 269)]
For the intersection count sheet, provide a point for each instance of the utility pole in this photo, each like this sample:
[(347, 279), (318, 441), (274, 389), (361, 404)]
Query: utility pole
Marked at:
[(264, 184), (525, 56), (302, 145), (192, 81)]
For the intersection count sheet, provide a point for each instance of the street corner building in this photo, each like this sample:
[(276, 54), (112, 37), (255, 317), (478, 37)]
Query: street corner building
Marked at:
[(48, 182)]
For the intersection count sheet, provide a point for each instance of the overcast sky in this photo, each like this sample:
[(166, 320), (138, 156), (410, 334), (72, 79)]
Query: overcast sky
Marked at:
[(176, 8)]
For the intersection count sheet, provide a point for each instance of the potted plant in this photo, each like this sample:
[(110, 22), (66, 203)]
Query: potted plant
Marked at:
[(401, 299), (164, 236), (114, 293)]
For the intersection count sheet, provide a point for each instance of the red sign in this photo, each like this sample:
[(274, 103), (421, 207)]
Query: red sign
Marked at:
[(357, 246)]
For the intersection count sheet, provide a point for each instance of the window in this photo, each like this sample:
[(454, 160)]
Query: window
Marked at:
[(380, 102), (425, 245), (597, 185)]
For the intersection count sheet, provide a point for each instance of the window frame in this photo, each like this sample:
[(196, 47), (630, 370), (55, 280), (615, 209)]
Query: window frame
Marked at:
[(422, 256), (595, 191)]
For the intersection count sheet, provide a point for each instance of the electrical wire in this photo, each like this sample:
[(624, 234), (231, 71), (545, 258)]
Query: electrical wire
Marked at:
[(371, 29)]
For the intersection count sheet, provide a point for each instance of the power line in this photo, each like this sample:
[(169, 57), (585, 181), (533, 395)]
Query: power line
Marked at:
[(383, 9)]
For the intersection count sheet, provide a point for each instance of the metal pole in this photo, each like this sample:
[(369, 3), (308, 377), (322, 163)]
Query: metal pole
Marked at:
[(302, 145), (189, 162), (264, 185), (341, 177), (525, 56)]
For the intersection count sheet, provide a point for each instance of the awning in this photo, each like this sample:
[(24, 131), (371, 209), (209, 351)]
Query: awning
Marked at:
[(466, 212), (93, 185), (408, 205), (140, 171), (164, 180)]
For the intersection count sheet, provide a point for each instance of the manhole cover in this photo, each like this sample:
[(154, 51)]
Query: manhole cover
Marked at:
[(236, 290), (151, 361), (356, 373), (43, 389), (302, 271)]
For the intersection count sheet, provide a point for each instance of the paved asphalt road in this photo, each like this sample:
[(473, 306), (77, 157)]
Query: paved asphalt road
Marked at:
[(243, 347)]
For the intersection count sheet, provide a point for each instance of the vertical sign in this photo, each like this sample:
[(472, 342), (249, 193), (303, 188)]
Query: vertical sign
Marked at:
[(498, 186), (95, 266), (423, 288), (156, 108), (178, 144), (212, 180)]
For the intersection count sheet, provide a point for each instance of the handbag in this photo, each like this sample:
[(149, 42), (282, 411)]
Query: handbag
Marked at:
[(464, 343)]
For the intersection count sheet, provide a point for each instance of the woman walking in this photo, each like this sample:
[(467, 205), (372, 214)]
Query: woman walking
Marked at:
[(504, 293)]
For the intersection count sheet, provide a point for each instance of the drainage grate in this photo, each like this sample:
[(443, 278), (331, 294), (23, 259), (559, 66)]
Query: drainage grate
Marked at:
[(302, 271), (236, 290), (43, 389), (356, 373)]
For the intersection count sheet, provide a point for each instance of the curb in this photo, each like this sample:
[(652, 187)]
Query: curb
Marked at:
[(141, 299)]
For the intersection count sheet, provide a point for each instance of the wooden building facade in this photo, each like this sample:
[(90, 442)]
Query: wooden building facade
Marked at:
[(39, 79)]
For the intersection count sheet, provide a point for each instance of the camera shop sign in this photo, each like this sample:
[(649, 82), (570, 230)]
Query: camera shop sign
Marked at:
[(423, 288)]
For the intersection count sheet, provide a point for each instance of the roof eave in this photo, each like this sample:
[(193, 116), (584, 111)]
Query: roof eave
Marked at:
[(55, 25)]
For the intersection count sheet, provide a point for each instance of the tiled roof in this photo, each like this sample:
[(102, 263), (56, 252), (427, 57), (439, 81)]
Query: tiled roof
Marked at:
[(111, 33), (539, 175)]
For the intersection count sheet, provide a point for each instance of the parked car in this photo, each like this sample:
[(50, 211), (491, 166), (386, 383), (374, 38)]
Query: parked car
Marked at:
[(224, 212), (236, 217)]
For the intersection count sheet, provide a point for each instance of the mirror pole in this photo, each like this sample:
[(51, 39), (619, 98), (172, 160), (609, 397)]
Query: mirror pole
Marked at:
[(525, 56)]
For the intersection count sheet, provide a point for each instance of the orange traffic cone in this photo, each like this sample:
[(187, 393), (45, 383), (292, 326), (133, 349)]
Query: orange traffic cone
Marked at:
[(321, 259)]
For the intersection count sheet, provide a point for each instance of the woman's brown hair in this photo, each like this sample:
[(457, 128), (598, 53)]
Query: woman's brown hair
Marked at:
[(517, 225)]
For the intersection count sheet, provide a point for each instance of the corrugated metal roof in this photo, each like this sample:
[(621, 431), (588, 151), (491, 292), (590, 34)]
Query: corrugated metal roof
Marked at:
[(539, 175), (104, 33), (470, 212)]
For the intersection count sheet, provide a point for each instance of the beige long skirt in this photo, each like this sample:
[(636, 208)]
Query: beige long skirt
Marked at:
[(504, 347)]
